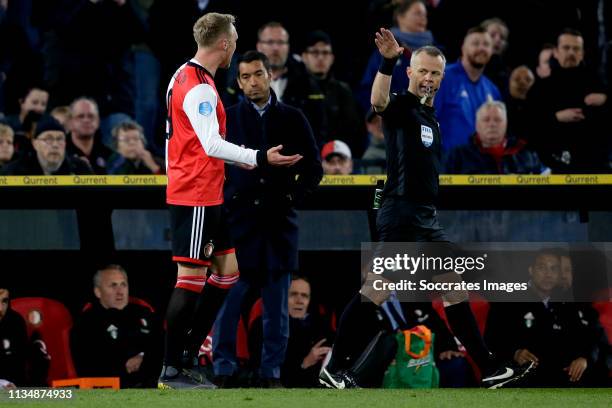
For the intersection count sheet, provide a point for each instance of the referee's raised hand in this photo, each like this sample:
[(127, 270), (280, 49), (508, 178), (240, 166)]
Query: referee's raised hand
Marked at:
[(277, 159), (387, 45)]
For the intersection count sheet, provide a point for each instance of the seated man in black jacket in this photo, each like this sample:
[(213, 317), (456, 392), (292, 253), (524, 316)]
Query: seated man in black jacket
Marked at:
[(490, 150), (49, 156), (115, 338), (310, 338), (14, 343), (542, 331)]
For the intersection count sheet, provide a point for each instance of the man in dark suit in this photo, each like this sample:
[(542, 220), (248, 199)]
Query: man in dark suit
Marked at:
[(261, 213)]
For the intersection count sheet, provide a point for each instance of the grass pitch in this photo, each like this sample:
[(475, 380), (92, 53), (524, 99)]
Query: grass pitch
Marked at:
[(320, 398)]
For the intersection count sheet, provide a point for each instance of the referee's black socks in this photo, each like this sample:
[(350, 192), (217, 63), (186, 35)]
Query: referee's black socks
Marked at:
[(359, 324), (463, 325)]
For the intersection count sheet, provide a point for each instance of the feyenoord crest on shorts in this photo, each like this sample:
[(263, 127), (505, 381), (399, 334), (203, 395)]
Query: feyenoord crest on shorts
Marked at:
[(426, 135), (208, 249)]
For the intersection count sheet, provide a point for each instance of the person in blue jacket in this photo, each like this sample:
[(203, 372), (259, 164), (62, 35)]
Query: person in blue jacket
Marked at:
[(465, 89)]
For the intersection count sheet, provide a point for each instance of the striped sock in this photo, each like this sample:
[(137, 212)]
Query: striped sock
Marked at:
[(208, 306)]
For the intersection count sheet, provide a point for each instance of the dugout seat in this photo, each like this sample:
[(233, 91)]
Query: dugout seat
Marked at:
[(52, 320), (604, 307)]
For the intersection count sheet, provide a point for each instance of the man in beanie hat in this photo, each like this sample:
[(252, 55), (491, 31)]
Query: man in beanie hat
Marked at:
[(49, 156)]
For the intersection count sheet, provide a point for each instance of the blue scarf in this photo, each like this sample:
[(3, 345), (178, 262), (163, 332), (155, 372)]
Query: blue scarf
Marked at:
[(413, 40)]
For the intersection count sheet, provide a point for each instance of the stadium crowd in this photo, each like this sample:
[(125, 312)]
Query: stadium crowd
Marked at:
[(81, 96), (104, 83)]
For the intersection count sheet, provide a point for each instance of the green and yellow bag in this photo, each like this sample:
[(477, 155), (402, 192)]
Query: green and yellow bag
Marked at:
[(414, 365)]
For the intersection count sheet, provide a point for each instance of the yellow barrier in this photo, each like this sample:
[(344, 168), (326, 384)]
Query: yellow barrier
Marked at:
[(352, 180)]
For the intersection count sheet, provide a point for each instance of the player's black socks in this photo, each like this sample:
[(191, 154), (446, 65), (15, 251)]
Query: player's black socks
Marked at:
[(178, 318), (463, 325), (206, 311), (359, 323)]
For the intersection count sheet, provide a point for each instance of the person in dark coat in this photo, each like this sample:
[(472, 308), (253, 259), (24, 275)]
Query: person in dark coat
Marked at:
[(343, 117), (14, 342), (115, 338), (490, 150), (311, 335), (543, 330), (261, 214), (49, 157), (570, 111)]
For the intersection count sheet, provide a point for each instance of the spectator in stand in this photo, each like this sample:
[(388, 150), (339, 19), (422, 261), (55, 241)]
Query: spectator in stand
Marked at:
[(337, 158), (84, 139), (491, 150), (7, 149), (521, 81), (542, 331), (62, 115), (497, 69), (132, 156), (14, 343), (32, 105), (116, 338), (290, 81), (310, 338), (374, 160), (49, 156), (464, 89), (343, 117), (544, 60), (570, 112), (85, 55), (410, 31)]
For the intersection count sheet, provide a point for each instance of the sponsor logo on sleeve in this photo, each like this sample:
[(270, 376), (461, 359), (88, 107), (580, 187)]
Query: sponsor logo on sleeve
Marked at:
[(205, 108)]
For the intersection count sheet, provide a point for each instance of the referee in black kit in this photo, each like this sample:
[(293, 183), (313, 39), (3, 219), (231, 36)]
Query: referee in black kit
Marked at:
[(408, 214)]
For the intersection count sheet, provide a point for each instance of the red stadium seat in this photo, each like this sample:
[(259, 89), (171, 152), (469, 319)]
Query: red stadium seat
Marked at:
[(53, 322), (478, 304), (604, 308)]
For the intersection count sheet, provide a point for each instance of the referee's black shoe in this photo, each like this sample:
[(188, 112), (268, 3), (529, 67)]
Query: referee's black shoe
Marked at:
[(340, 381), (506, 376)]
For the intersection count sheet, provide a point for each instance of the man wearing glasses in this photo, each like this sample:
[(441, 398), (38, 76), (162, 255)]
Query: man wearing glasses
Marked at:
[(49, 157), (343, 118), (290, 81)]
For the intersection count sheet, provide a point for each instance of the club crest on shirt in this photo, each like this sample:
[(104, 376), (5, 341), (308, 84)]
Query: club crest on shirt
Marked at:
[(205, 108), (426, 135)]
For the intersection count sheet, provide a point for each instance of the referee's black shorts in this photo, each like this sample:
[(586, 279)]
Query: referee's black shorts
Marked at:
[(198, 234), (399, 220), (402, 221)]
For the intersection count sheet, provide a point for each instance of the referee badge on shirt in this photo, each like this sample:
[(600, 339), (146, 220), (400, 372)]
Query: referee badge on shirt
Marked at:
[(426, 135)]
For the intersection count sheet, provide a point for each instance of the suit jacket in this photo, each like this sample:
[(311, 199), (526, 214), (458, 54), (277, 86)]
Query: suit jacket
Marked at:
[(260, 203)]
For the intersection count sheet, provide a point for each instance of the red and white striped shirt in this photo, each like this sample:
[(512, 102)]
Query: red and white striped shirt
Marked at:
[(195, 146)]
